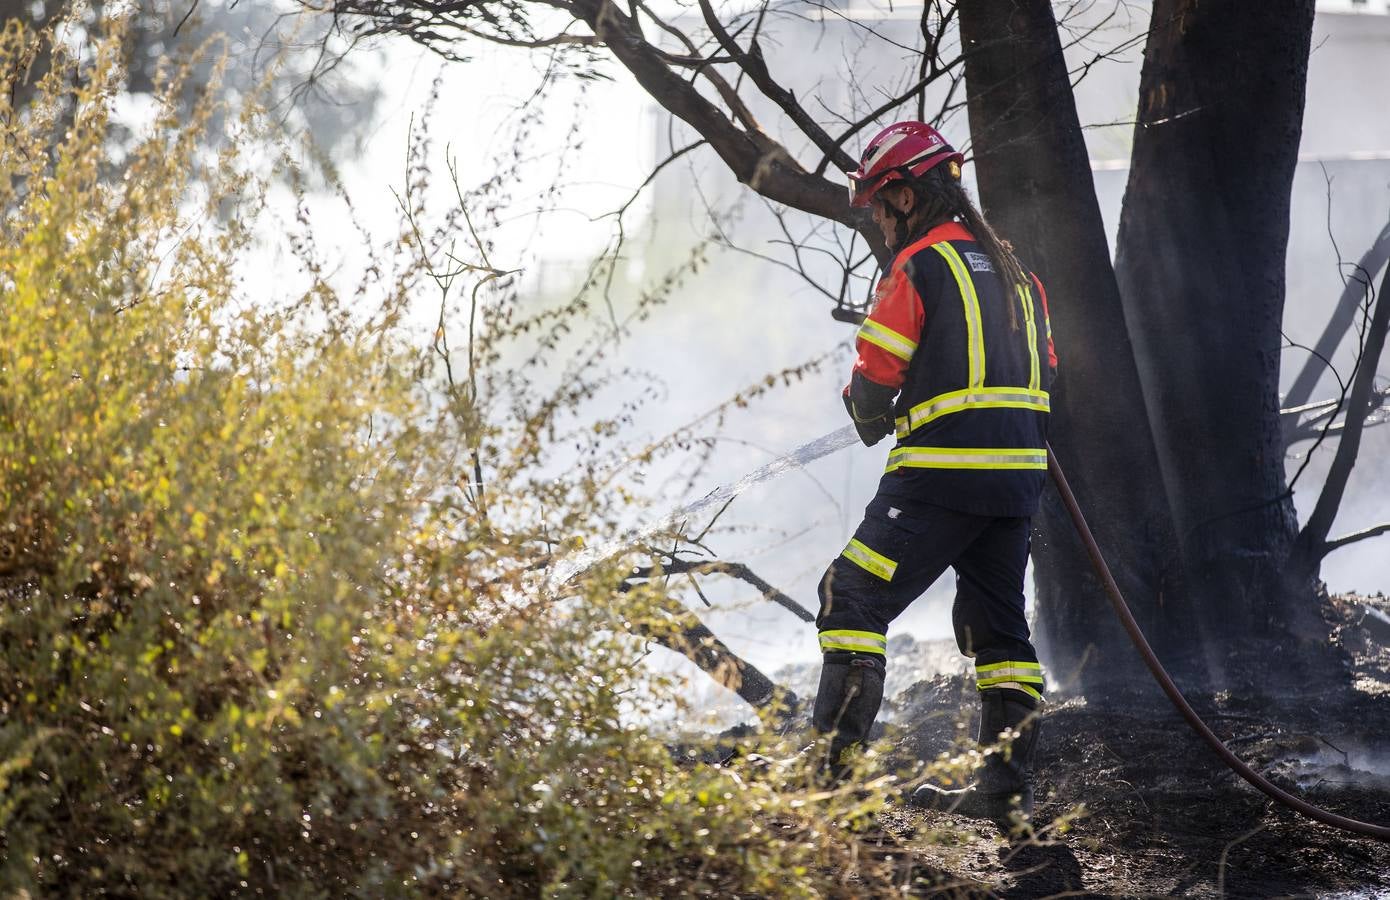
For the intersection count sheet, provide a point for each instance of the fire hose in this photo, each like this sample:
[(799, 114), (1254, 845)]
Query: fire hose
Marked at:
[(1117, 600), (845, 437)]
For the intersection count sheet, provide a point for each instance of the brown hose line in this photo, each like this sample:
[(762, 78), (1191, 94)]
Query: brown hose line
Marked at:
[(1117, 600)]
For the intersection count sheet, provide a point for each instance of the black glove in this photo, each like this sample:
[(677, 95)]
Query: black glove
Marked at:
[(871, 430)]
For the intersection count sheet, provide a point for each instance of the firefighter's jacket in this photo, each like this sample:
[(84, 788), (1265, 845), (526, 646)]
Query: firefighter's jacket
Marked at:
[(971, 407)]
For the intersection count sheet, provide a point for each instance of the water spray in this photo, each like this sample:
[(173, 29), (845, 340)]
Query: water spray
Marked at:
[(845, 437), (586, 559)]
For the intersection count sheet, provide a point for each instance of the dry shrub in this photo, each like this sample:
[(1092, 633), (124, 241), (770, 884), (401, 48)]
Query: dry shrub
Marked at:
[(273, 612)]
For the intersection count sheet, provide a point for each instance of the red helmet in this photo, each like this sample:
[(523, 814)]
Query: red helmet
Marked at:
[(907, 146)]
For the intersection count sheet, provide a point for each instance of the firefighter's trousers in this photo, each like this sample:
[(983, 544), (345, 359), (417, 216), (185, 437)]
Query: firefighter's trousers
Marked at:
[(896, 554)]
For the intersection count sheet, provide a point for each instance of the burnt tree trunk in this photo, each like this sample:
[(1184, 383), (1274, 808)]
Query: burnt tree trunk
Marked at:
[(1200, 264), (1035, 183)]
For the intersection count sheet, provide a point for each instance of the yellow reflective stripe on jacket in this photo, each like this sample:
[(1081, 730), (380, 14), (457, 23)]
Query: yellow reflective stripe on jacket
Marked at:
[(965, 458), (861, 641), (1025, 294), (882, 336), (974, 331), (874, 563), (972, 398)]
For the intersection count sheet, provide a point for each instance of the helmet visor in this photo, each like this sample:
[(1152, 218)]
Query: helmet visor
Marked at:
[(862, 187), (853, 189)]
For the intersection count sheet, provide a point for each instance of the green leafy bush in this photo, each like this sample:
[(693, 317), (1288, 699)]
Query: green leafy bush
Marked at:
[(273, 610)]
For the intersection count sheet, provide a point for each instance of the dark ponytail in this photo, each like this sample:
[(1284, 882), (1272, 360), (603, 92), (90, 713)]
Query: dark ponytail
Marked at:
[(941, 197)]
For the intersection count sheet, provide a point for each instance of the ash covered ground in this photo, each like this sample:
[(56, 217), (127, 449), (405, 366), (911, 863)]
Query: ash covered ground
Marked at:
[(1162, 815)]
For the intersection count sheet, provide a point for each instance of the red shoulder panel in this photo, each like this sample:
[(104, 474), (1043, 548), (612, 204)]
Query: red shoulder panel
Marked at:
[(1047, 323), (890, 333)]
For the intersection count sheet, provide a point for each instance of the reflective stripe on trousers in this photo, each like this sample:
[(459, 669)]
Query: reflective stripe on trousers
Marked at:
[(1018, 675), (858, 641), (869, 560)]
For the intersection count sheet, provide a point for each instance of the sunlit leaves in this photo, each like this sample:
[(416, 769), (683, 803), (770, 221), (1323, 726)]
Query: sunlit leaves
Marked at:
[(272, 603)]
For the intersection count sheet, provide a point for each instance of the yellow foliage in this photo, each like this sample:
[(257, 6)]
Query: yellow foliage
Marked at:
[(260, 628)]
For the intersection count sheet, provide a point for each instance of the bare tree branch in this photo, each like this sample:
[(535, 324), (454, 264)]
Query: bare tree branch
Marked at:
[(736, 570), (1312, 541), (1344, 540), (1321, 407), (691, 638), (1309, 429), (753, 157), (727, 92), (575, 40), (752, 63), (694, 640), (893, 103), (651, 176), (1343, 315)]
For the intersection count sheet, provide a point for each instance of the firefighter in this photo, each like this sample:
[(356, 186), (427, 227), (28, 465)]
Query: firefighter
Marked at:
[(954, 360)]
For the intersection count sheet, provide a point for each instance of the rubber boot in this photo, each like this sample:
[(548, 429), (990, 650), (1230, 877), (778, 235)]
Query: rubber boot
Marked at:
[(847, 701), (1003, 787)]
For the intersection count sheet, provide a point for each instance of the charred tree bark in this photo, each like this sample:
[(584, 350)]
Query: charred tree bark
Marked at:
[(1035, 183), (1200, 264), (692, 639), (687, 635)]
